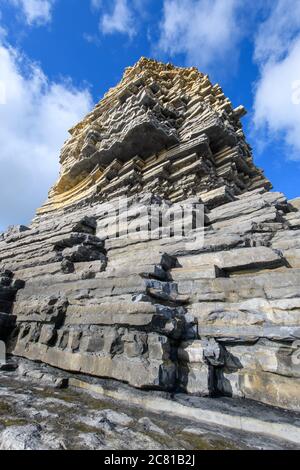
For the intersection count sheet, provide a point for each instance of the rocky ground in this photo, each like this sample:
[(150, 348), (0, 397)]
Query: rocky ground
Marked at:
[(36, 416)]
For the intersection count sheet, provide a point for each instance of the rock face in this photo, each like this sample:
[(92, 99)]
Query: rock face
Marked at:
[(162, 129), (214, 311)]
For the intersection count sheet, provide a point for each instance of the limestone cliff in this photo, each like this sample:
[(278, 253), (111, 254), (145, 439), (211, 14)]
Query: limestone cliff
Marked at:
[(159, 120), (216, 311)]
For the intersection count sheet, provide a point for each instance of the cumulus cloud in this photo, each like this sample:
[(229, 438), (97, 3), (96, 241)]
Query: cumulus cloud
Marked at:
[(35, 115), (119, 20), (276, 34), (120, 16), (35, 11), (96, 4), (277, 94), (205, 31)]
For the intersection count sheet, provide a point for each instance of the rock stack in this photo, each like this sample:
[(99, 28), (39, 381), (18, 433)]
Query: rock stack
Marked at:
[(215, 311)]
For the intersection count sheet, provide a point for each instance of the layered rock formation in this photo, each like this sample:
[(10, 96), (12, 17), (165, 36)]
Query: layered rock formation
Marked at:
[(162, 129), (215, 311)]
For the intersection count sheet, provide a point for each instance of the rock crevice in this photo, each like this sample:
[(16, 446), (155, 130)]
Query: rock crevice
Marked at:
[(212, 310)]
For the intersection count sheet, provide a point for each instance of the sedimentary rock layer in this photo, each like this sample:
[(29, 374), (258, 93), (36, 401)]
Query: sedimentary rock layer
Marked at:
[(164, 129), (214, 311)]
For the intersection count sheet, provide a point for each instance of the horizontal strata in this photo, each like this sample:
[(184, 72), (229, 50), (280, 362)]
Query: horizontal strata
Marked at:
[(163, 128), (213, 312), (166, 313)]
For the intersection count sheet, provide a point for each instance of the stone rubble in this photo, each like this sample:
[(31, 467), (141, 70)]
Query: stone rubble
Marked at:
[(220, 317)]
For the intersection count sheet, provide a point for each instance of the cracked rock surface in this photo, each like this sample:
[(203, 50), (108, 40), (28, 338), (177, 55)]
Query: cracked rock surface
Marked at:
[(212, 312), (35, 416)]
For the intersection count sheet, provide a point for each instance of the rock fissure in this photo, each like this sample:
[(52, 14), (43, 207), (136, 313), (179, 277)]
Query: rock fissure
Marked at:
[(115, 285)]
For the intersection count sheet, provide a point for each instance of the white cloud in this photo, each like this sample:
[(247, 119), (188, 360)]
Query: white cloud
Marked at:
[(34, 123), (3, 32), (35, 11), (92, 39), (275, 35), (96, 4), (119, 20), (277, 52), (205, 31)]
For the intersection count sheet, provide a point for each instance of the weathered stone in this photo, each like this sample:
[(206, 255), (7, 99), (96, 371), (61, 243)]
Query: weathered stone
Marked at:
[(195, 379), (104, 419), (48, 335), (211, 307), (269, 388), (235, 260), (22, 438), (67, 266), (149, 426), (295, 203)]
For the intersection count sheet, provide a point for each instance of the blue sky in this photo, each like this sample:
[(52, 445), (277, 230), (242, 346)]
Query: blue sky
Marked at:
[(58, 57)]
